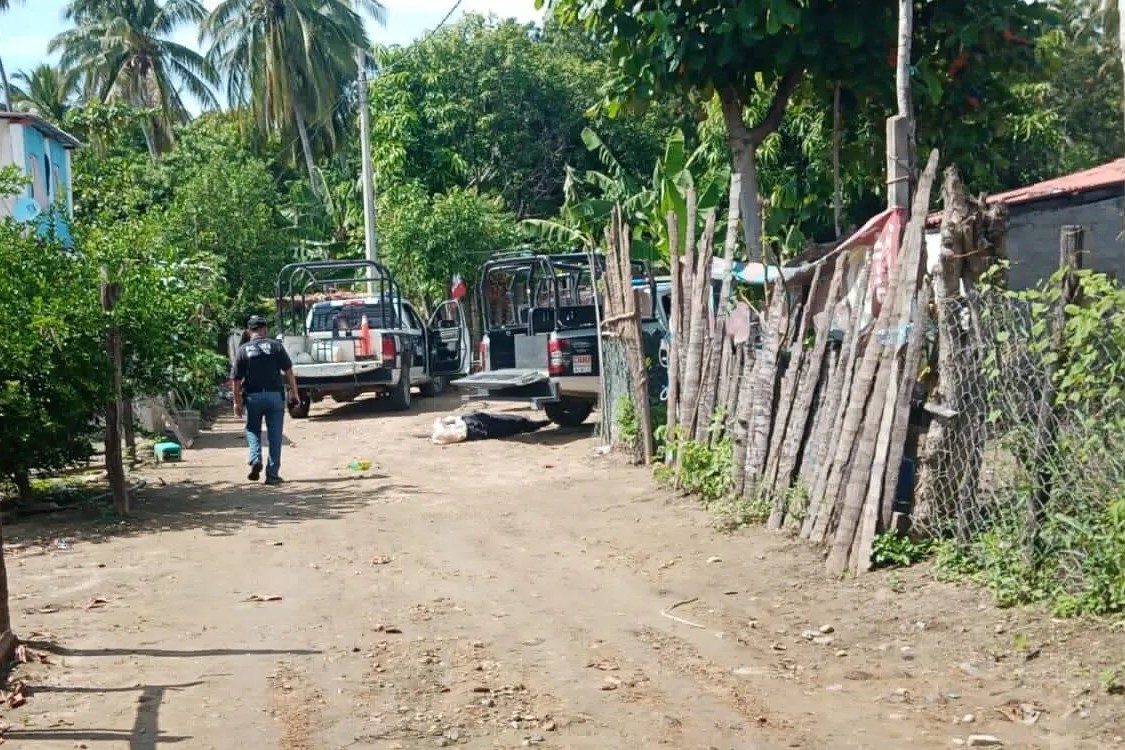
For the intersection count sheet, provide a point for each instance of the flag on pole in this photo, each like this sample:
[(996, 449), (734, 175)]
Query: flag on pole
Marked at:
[(459, 288)]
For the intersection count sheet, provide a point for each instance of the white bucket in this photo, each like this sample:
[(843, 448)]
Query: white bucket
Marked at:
[(188, 421)]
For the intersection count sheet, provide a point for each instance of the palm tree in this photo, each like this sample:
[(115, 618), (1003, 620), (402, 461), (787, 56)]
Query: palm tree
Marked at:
[(123, 47), (5, 88), (289, 61), (47, 90)]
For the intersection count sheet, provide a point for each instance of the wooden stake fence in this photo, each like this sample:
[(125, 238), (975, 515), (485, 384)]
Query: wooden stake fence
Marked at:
[(819, 429)]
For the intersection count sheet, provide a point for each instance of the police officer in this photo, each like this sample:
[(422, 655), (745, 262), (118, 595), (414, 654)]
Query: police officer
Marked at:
[(259, 393)]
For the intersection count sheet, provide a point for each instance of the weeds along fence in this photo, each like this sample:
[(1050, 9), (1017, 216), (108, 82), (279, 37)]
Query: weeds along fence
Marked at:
[(935, 401), (868, 396), (1024, 478)]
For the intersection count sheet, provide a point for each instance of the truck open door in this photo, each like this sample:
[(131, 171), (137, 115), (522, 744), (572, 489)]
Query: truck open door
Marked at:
[(449, 347)]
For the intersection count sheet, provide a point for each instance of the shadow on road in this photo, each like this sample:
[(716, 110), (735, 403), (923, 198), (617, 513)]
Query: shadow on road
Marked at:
[(216, 508), (557, 435), (145, 733), (371, 407), (54, 648)]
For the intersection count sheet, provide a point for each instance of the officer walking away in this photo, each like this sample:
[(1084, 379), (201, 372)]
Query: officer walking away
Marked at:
[(259, 392)]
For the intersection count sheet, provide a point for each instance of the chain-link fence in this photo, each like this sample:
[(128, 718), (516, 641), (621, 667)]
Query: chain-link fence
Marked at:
[(1022, 465)]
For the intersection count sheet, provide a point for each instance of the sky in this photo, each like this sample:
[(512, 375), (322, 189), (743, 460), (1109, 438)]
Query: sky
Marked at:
[(27, 27)]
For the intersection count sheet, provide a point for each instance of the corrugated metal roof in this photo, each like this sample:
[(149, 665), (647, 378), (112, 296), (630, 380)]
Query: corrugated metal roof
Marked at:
[(46, 127), (1102, 176)]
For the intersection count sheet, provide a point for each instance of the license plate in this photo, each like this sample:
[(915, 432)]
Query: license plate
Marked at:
[(583, 364)]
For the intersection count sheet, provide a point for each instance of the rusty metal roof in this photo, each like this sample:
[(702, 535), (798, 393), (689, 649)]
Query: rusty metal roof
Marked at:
[(1102, 176)]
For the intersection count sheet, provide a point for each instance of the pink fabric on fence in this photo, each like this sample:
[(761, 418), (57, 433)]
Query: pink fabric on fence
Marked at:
[(883, 258)]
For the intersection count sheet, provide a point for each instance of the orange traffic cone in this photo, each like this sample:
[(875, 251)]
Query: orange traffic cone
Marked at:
[(364, 348)]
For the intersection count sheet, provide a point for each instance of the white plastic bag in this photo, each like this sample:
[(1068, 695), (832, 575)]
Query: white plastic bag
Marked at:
[(448, 430)]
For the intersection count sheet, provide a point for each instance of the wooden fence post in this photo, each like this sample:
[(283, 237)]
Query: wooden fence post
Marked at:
[(1070, 259)]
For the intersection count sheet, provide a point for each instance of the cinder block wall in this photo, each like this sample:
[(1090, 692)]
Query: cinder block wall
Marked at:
[(1033, 236)]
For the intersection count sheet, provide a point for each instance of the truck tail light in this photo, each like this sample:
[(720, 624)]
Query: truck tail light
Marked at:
[(556, 354), (389, 350)]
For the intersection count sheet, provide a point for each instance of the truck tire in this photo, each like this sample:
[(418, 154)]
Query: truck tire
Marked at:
[(400, 396), (437, 386), (301, 409), (568, 412)]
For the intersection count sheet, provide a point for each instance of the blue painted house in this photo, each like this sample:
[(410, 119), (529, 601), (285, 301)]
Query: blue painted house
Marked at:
[(42, 152)]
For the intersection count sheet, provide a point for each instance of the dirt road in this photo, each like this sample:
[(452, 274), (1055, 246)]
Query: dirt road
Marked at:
[(503, 595)]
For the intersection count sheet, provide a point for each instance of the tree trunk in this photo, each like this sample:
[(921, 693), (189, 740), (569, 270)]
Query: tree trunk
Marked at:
[(744, 141), (973, 238), (746, 165), (5, 88), (7, 642), (128, 428), (114, 464), (306, 149), (22, 480), (150, 139), (115, 469)]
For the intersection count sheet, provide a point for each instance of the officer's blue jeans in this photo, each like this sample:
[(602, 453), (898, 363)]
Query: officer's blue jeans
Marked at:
[(269, 406)]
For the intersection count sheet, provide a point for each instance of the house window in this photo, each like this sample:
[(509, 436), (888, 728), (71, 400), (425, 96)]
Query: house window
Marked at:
[(47, 177), (37, 188)]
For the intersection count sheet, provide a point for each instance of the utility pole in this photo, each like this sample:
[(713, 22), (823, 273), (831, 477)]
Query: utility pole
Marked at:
[(368, 170), (900, 128)]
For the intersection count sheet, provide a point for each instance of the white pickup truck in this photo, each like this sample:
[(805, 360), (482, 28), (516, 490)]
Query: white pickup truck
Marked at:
[(344, 343)]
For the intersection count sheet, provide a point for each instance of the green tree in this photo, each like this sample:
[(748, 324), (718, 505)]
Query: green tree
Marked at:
[(229, 214), (52, 362), (215, 197), (289, 61), (170, 294), (123, 49), (47, 90), (500, 106), (732, 49), (51, 366), (427, 240)]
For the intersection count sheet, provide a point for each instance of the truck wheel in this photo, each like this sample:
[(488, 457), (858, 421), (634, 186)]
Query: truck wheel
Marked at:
[(569, 412), (301, 410), (400, 394), (437, 386)]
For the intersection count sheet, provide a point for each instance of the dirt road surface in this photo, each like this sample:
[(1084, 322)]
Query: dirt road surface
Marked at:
[(504, 595)]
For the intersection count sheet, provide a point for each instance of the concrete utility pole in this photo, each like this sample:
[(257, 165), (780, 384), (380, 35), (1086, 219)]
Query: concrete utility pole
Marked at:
[(369, 233), (900, 128)]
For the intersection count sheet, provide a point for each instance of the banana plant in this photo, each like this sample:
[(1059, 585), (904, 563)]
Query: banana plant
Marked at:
[(589, 197)]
